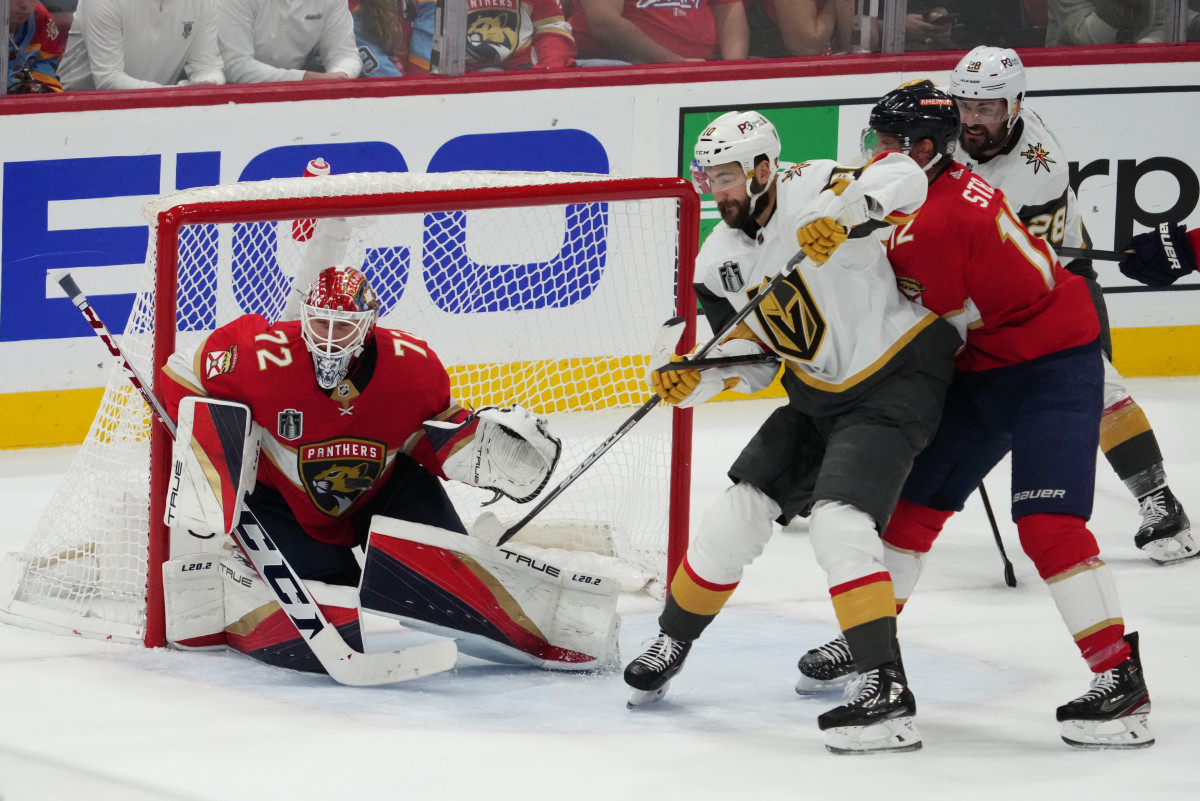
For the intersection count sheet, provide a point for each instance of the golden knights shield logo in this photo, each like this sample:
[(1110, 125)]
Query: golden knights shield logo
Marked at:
[(337, 471), (790, 318)]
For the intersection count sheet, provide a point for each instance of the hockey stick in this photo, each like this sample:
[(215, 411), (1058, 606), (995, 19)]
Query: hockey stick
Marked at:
[(343, 664), (720, 361), (1090, 253), (1010, 576), (487, 526)]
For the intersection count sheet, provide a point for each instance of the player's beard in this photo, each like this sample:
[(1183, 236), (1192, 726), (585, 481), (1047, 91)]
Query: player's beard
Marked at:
[(735, 213), (979, 142)]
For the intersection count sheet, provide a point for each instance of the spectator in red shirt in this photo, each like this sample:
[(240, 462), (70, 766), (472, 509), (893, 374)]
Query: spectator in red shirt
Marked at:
[(35, 46), (660, 31)]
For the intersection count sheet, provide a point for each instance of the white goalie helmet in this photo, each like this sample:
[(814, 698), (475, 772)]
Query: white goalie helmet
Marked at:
[(736, 136), (991, 73), (337, 318)]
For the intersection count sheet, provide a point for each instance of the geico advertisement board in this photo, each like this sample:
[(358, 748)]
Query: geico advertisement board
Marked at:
[(74, 183)]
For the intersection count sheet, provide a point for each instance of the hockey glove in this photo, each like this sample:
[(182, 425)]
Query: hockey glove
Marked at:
[(1160, 257), (820, 238), (685, 388), (843, 202)]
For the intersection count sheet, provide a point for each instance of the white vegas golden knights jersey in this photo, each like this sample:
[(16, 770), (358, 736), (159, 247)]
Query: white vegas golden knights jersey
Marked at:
[(1032, 172), (835, 324)]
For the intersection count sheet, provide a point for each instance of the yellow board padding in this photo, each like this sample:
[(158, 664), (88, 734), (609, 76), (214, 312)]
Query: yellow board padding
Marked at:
[(1162, 351), (47, 419), (63, 417)]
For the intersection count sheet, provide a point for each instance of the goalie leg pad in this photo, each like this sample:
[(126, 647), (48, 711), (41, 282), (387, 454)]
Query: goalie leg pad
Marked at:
[(508, 450), (498, 604), (215, 458), (255, 624), (194, 597)]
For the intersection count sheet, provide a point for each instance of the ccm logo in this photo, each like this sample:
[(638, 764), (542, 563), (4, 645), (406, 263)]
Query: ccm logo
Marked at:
[(1029, 495)]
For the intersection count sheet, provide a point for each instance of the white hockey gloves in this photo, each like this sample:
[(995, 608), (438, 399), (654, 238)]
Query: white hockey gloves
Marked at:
[(686, 388), (508, 450), (215, 459)]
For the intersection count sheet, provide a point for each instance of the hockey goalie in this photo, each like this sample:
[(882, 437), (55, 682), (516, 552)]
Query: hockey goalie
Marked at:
[(342, 453)]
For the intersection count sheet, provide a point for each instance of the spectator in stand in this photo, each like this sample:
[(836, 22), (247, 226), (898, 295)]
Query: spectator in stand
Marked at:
[(35, 45), (131, 44), (501, 34), (63, 13), (1090, 22), (286, 40), (781, 28), (660, 31), (379, 30)]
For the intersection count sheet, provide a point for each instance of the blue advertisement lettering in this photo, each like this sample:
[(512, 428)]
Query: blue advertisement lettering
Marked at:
[(31, 249), (459, 285)]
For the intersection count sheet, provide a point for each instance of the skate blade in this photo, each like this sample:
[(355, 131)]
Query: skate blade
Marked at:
[(1131, 731), (888, 736), (1173, 550), (643, 697), (810, 686)]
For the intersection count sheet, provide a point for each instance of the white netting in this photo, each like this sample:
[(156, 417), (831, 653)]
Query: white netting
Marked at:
[(553, 306)]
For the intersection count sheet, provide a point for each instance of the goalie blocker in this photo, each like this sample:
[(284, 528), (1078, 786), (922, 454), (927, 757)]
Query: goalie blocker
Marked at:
[(498, 604)]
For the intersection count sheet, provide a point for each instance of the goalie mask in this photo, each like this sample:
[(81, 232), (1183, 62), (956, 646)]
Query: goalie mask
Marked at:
[(337, 318), (736, 136)]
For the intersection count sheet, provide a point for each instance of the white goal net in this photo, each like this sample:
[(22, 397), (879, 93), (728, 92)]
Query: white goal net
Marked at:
[(542, 289)]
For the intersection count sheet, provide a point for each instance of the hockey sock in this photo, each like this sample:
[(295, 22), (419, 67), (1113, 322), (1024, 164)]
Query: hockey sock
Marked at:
[(1081, 584), (1129, 445), (914, 528), (905, 568), (692, 603)]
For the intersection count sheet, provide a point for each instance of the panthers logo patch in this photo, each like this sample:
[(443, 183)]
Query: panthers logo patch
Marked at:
[(337, 471)]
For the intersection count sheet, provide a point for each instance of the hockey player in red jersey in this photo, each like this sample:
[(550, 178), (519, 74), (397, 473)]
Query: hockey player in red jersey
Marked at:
[(1029, 381), (1008, 145), (356, 420)]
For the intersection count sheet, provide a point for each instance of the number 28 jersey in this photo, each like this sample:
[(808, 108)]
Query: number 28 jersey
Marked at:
[(325, 451), (967, 257)]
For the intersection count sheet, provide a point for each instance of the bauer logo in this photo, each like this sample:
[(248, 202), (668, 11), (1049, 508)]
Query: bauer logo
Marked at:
[(1033, 495)]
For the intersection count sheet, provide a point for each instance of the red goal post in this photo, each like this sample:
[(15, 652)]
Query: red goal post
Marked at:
[(539, 288)]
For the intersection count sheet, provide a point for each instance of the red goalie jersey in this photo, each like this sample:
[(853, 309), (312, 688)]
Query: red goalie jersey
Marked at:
[(326, 452), (1011, 301)]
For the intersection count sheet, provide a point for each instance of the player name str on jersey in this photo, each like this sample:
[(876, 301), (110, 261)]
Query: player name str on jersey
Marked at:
[(967, 257), (326, 452), (1033, 172), (835, 324)]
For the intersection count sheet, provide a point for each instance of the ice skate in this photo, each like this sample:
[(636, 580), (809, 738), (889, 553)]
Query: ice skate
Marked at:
[(1165, 535), (826, 668), (879, 717), (1115, 712), (650, 674)]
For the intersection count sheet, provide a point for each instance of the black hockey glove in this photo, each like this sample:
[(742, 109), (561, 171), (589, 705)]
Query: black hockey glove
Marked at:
[(1160, 257)]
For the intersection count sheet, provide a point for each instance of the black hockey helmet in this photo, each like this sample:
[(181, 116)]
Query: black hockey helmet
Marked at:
[(918, 110)]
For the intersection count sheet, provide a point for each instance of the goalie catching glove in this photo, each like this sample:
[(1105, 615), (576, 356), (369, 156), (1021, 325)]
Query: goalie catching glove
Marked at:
[(1161, 257), (510, 450), (691, 387)]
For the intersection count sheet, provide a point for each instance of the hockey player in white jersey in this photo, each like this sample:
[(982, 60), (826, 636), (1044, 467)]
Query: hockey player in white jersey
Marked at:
[(865, 371), (1009, 146)]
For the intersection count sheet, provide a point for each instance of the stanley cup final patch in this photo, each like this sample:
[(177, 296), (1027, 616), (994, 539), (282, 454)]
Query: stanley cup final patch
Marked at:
[(731, 276), (291, 424)]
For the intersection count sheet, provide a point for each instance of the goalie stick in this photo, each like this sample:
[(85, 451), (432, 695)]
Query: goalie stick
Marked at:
[(489, 526), (343, 664)]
